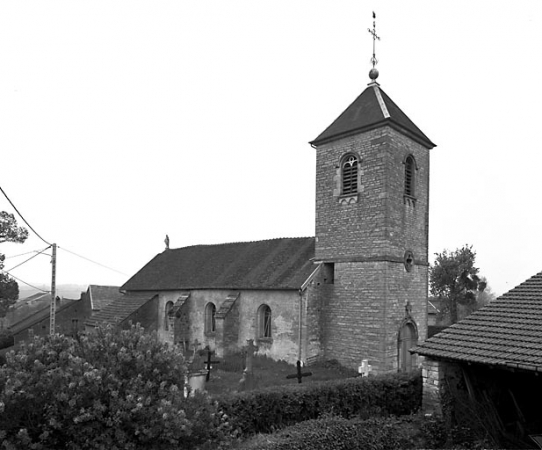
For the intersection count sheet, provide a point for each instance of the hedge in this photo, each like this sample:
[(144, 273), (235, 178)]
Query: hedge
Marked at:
[(269, 409), (337, 433)]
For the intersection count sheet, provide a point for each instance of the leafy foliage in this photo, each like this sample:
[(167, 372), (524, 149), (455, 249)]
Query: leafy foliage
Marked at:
[(454, 279), (9, 232), (116, 389), (6, 339), (265, 410), (9, 292)]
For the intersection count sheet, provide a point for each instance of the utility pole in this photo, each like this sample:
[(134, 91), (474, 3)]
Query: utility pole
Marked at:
[(52, 324)]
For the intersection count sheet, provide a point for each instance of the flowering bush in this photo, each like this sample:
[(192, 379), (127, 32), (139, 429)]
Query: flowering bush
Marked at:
[(110, 389)]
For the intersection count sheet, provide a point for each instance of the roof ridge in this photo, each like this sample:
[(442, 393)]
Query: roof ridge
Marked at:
[(238, 242)]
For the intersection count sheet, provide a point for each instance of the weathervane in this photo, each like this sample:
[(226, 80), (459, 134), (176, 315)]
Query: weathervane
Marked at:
[(373, 74)]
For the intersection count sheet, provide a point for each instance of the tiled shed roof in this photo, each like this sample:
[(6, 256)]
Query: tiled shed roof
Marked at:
[(507, 332), (271, 264), (372, 109), (100, 296), (119, 310)]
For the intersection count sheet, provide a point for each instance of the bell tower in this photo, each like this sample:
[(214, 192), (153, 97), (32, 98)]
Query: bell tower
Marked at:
[(372, 210)]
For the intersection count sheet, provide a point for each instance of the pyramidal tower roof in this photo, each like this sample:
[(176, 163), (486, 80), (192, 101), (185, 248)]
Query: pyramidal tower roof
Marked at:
[(372, 109)]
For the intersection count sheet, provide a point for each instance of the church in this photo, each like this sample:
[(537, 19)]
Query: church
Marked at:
[(355, 291)]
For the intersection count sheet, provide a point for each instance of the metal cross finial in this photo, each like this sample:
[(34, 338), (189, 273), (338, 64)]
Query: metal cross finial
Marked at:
[(374, 61)]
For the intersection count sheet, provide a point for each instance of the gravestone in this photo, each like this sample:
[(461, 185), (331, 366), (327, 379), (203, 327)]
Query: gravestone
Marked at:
[(208, 363), (251, 349), (365, 368), (299, 374), (248, 381)]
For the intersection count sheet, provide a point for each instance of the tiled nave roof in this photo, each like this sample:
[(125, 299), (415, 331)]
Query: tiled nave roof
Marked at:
[(283, 263)]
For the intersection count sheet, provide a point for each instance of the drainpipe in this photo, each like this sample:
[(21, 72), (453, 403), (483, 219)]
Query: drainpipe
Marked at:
[(300, 324)]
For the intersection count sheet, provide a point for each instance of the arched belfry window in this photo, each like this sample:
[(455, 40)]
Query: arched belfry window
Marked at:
[(349, 175), (264, 321), (210, 320), (410, 172)]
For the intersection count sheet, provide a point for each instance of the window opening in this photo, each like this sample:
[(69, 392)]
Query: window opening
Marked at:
[(350, 176), (265, 321), (409, 176), (329, 273), (210, 318), (167, 311), (408, 260)]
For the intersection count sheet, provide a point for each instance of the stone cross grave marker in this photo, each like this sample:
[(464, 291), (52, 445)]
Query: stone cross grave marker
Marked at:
[(299, 374), (208, 364)]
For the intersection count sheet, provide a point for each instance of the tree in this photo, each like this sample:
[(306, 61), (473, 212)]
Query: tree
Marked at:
[(112, 388), (454, 280), (9, 232)]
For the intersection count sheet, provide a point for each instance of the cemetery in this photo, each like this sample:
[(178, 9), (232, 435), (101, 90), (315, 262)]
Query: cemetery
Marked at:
[(273, 405), (125, 389)]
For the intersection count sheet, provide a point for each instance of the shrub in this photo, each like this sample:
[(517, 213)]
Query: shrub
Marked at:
[(337, 433), (110, 389), (266, 410), (6, 339)]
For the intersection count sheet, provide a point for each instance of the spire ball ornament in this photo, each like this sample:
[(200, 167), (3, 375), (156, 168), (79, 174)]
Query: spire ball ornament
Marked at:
[(373, 74)]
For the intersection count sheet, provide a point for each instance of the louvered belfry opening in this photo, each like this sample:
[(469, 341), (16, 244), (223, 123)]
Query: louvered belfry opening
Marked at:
[(409, 176), (350, 176)]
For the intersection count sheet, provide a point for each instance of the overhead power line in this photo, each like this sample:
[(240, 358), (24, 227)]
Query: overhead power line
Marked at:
[(23, 219), (94, 262), (50, 245), (24, 282), (23, 254), (33, 256)]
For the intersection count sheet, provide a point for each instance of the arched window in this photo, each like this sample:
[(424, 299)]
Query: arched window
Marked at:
[(167, 310), (349, 175), (410, 169), (264, 321), (408, 338), (210, 321)]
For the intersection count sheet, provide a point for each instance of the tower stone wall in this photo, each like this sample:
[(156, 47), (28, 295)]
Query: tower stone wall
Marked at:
[(376, 240)]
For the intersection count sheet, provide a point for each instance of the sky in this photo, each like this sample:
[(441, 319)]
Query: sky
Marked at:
[(124, 121)]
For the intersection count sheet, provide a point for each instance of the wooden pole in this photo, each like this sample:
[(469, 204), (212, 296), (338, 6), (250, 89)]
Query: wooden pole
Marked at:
[(52, 322)]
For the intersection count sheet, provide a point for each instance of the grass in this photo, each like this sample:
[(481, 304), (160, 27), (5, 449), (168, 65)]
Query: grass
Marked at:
[(226, 376)]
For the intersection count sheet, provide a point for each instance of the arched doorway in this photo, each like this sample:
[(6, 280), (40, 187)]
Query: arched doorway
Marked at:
[(408, 338)]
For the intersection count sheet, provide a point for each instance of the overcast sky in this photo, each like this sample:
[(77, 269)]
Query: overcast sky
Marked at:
[(124, 121)]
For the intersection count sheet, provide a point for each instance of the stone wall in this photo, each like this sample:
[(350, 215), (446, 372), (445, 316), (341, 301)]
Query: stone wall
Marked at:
[(363, 311), (240, 323), (380, 221), (146, 316), (366, 236), (439, 378), (433, 379)]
